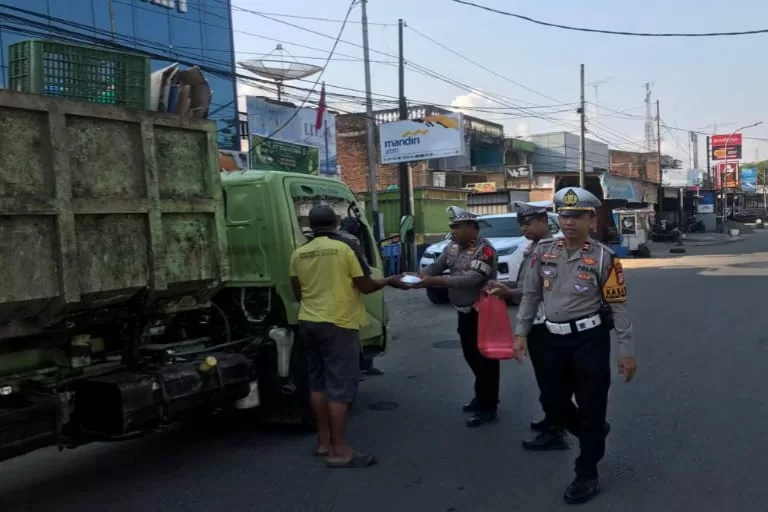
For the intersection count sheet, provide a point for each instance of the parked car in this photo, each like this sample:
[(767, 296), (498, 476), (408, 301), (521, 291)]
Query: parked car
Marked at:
[(503, 232)]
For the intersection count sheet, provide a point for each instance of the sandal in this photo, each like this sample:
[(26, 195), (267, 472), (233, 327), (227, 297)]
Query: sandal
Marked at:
[(358, 460), (320, 453)]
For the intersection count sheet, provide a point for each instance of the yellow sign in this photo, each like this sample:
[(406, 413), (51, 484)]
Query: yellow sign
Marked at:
[(414, 133), (484, 187), (444, 121), (614, 290)]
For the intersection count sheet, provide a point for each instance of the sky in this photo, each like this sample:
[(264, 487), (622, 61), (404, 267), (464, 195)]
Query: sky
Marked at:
[(505, 64)]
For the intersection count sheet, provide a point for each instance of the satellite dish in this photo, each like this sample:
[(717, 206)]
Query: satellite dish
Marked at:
[(275, 66)]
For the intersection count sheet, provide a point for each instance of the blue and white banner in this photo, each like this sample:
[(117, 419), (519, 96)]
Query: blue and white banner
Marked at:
[(749, 180)]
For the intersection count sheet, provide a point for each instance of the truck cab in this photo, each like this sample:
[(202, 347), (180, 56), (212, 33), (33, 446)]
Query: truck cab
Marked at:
[(266, 215)]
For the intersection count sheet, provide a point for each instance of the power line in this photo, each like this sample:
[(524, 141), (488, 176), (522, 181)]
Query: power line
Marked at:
[(79, 37), (475, 63), (317, 81), (313, 18), (611, 32)]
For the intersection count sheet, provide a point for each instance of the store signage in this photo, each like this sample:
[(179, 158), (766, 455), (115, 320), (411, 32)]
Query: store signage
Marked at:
[(179, 5)]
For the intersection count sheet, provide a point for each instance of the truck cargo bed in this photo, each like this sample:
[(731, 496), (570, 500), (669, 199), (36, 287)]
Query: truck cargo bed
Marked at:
[(99, 204)]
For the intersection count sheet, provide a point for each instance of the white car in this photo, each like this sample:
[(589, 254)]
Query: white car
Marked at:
[(503, 232)]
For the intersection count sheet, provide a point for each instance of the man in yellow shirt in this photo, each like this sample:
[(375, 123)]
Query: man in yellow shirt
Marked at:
[(329, 275)]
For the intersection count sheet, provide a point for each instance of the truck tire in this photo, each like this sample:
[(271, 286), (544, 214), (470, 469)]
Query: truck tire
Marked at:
[(437, 296)]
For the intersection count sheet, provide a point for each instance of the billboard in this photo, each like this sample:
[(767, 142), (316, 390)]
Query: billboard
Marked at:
[(280, 122), (749, 180), (436, 136), (727, 176), (681, 178), (706, 203), (719, 143), (277, 155)]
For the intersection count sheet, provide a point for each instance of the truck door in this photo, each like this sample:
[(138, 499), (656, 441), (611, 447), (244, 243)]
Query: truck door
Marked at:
[(306, 192)]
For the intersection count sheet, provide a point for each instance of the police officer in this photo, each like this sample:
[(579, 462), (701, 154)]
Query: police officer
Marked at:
[(580, 283), (472, 262), (534, 224)]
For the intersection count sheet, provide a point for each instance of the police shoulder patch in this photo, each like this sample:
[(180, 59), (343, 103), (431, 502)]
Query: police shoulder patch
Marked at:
[(615, 289)]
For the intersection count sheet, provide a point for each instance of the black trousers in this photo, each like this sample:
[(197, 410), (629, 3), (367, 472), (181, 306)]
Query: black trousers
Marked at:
[(487, 371), (578, 364), (537, 348)]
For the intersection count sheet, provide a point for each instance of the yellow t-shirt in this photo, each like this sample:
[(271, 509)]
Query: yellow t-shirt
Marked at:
[(325, 267)]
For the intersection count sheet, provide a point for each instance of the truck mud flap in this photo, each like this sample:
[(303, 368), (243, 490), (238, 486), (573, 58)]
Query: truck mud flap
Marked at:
[(128, 402)]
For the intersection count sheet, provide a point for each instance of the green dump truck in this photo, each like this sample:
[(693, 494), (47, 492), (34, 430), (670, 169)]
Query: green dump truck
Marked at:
[(138, 285)]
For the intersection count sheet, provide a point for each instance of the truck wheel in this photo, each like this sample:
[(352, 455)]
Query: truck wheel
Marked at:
[(437, 296)]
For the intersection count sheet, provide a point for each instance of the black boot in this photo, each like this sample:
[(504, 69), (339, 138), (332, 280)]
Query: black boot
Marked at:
[(471, 406), (552, 439), (482, 418), (540, 426), (581, 490)]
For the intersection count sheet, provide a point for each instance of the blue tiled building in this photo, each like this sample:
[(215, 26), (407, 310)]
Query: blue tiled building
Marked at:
[(193, 32)]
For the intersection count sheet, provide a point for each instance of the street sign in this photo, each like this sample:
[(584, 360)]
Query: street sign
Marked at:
[(519, 171), (733, 143)]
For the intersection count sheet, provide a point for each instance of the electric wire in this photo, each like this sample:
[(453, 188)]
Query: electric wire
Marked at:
[(611, 32), (263, 84)]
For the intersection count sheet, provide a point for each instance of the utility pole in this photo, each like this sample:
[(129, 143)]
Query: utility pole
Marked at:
[(694, 150), (370, 129), (404, 182), (709, 165), (658, 152), (582, 138)]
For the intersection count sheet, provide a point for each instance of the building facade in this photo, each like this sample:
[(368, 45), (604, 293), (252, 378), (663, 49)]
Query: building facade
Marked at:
[(558, 153), (483, 159), (190, 32)]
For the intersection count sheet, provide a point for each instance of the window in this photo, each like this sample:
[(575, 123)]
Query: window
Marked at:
[(306, 197), (500, 227)]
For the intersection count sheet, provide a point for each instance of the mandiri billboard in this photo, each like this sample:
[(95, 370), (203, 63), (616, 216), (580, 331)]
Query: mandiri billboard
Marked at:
[(280, 122), (437, 136)]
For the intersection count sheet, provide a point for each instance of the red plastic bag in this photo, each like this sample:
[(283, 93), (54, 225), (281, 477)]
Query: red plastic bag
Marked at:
[(495, 338)]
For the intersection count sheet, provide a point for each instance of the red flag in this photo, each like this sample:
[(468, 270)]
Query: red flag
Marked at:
[(320, 109)]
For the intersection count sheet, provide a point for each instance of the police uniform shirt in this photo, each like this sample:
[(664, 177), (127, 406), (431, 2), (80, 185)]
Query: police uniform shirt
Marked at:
[(572, 286), (470, 270), (525, 264)]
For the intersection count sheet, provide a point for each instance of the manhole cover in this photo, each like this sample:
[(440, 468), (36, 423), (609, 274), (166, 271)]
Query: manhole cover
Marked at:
[(447, 344), (383, 406)]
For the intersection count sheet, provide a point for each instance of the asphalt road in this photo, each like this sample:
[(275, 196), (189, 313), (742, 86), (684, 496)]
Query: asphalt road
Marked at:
[(688, 432)]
